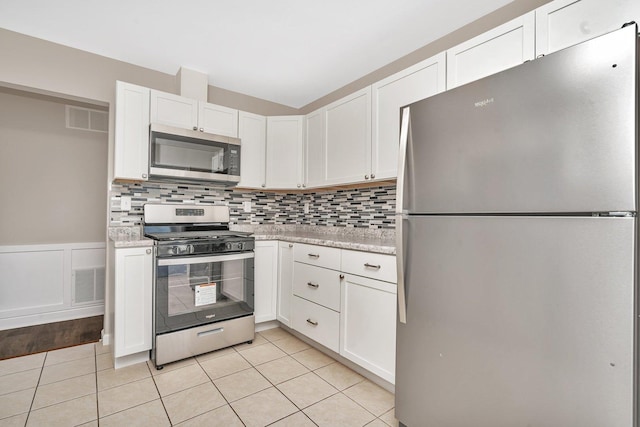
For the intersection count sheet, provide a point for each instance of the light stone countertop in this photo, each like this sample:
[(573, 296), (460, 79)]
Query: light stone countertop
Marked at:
[(129, 237), (359, 239)]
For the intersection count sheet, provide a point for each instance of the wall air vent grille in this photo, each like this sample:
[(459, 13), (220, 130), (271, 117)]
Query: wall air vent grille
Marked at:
[(87, 119), (88, 285)]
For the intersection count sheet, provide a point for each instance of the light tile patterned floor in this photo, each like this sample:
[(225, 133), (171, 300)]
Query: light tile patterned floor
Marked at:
[(277, 381)]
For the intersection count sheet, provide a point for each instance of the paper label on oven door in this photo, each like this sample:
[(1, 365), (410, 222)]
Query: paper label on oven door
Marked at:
[(205, 294)]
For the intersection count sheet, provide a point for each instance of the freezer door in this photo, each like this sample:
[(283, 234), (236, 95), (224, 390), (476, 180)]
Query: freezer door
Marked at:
[(517, 321), (557, 134)]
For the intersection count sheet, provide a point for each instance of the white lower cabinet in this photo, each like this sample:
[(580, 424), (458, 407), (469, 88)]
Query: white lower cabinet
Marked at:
[(285, 283), (368, 324), (133, 275), (265, 280), (317, 322), (346, 301)]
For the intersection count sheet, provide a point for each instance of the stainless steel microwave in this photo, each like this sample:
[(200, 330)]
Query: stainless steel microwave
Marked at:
[(187, 155)]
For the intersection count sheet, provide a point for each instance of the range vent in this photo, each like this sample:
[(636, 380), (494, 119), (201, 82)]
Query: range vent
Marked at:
[(87, 119), (88, 285)]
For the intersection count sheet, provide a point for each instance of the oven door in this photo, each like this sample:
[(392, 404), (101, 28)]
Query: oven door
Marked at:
[(196, 290)]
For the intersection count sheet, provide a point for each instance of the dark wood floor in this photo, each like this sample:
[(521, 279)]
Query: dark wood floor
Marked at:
[(50, 336)]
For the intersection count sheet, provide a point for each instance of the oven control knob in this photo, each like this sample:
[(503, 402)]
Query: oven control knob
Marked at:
[(228, 246)]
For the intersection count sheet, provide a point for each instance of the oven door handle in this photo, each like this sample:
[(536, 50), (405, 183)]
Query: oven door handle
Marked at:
[(202, 259)]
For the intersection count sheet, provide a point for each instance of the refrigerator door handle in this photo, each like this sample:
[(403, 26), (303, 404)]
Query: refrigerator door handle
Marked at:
[(402, 159), (402, 302), (404, 140)]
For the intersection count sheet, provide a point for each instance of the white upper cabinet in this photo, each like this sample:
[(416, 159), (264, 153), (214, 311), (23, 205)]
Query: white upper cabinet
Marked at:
[(217, 119), (315, 143), (503, 47), (131, 148), (284, 152), (174, 110), (563, 23), (186, 113), (389, 95), (348, 139), (252, 131)]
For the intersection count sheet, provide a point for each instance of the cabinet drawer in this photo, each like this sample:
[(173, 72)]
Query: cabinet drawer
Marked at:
[(321, 256), (317, 284), (367, 264), (317, 322)]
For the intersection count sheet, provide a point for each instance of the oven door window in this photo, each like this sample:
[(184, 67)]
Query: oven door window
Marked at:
[(182, 153), (192, 291)]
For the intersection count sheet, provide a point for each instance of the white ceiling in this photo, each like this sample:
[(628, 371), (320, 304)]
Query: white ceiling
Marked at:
[(287, 51)]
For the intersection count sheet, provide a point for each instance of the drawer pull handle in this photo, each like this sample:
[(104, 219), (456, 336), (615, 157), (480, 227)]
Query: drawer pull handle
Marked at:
[(316, 256), (313, 285), (212, 331), (311, 322), (377, 267)]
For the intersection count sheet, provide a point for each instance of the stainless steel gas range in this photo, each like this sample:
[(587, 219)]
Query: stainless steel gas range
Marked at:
[(204, 281)]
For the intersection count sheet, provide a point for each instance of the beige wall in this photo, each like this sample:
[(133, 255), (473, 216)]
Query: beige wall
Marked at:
[(52, 179), (35, 64)]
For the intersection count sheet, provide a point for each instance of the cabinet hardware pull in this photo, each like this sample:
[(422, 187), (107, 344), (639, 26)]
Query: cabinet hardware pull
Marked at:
[(314, 256), (342, 276), (366, 264), (313, 285), (290, 245), (201, 129), (373, 176), (144, 175), (311, 322), (366, 177), (148, 251), (195, 128), (209, 332)]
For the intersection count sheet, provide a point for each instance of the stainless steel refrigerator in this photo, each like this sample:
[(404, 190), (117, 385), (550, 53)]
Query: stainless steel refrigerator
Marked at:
[(517, 245)]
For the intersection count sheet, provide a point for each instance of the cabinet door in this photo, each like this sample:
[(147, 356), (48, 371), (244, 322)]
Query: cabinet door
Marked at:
[(348, 145), (285, 282), (413, 84), (503, 47), (265, 280), (284, 152), (563, 23), (133, 300), (368, 325), (252, 130), (217, 119), (131, 148), (173, 110), (315, 153)]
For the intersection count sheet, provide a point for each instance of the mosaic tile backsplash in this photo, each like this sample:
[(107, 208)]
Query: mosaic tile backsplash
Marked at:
[(365, 208)]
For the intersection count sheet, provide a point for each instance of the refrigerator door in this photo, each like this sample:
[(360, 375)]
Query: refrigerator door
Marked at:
[(556, 134), (517, 321)]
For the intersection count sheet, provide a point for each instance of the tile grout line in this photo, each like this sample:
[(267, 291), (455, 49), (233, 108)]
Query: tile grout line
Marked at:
[(275, 386), (95, 360), (153, 378), (219, 391), (35, 391)]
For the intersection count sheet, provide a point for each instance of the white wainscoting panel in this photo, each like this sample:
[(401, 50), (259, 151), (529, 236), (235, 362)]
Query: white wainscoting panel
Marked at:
[(37, 283)]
